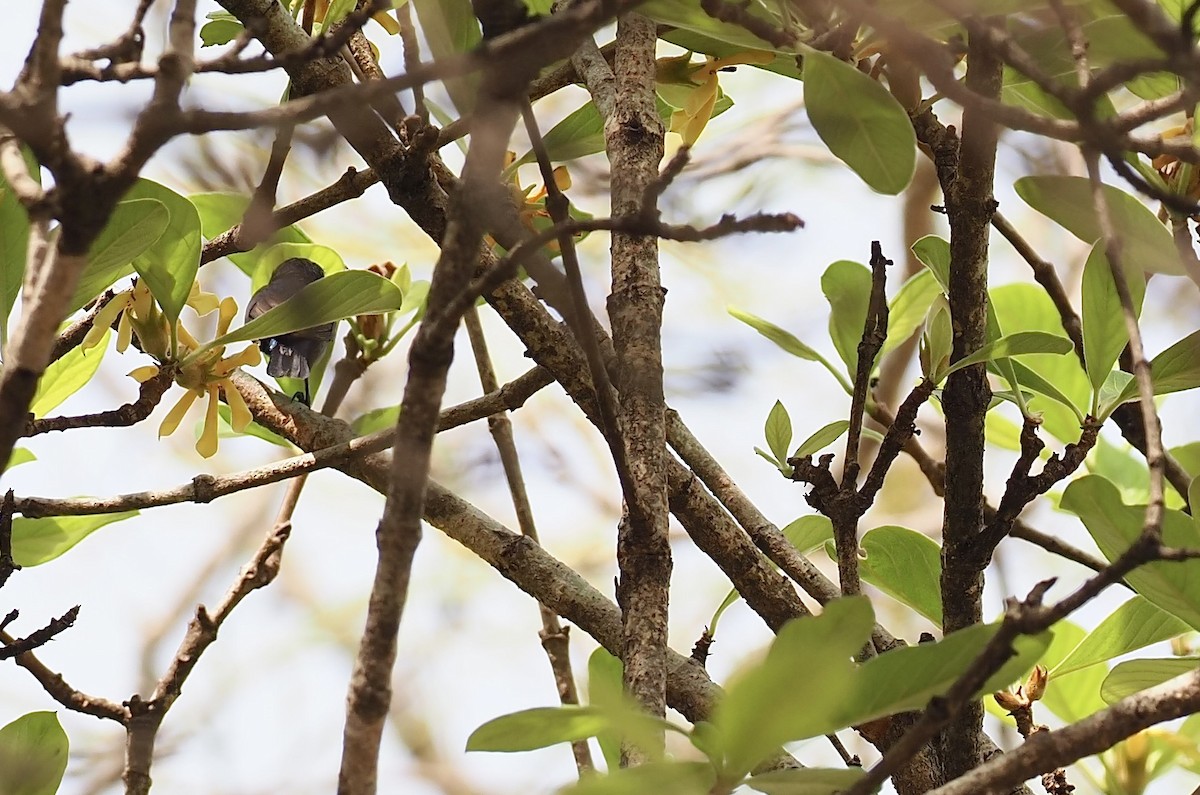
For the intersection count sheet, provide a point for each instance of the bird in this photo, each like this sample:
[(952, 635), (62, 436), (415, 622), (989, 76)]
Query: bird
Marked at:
[(291, 355)]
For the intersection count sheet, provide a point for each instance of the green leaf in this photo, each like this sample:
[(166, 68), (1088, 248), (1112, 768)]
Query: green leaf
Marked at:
[(606, 689), (1172, 586), (908, 309), (789, 342), (580, 134), (538, 728), (784, 63), (905, 565), (1018, 344), (906, 679), (1178, 367), (169, 265), (808, 532), (847, 287), (20, 455), (67, 376), (37, 541), (14, 245), (1027, 307), (821, 439), (271, 258), (1146, 243), (860, 121), (807, 781), (340, 295), (1076, 695), (798, 690), (687, 15), (937, 341), (33, 755), (222, 28), (934, 254), (1133, 676), (134, 226), (726, 603), (375, 420), (1132, 626), (652, 778), (1104, 331), (778, 431), (450, 28), (220, 212), (226, 431)]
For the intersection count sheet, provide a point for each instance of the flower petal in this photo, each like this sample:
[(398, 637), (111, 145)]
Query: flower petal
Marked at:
[(176, 415), (239, 412), (104, 319), (229, 310), (206, 445), (144, 374)]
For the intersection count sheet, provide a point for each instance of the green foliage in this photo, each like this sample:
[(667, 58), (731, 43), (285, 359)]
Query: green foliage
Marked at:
[(1104, 331), (905, 565), (847, 287), (67, 376), (33, 755), (1146, 243), (169, 265), (822, 438), (38, 541), (220, 212), (907, 311), (806, 781), (1129, 677), (1020, 343), (341, 295), (1060, 382), (860, 121), (134, 226), (1175, 586), (1132, 626), (450, 28), (221, 28), (789, 342), (14, 244)]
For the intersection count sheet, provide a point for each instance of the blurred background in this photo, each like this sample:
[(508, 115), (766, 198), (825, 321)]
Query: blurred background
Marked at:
[(263, 711)]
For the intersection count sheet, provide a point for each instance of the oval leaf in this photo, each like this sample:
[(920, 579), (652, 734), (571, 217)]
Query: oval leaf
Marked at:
[(860, 121), (1022, 342), (905, 565), (847, 287), (1173, 586), (223, 211), (33, 755), (335, 297), (908, 309), (36, 541), (169, 266), (1067, 201), (134, 226), (1104, 331), (1134, 625), (538, 728), (67, 376), (808, 532), (1130, 677), (807, 781), (821, 439), (778, 431)]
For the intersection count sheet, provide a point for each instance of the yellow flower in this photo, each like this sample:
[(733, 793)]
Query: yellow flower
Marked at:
[(531, 201), (690, 120), (207, 376)]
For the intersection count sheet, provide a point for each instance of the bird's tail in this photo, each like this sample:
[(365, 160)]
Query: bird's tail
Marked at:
[(287, 362)]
